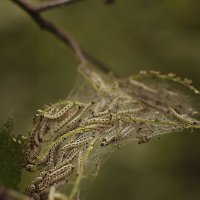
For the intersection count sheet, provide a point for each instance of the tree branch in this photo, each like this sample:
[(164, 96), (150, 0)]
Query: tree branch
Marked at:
[(54, 4), (50, 27), (35, 13)]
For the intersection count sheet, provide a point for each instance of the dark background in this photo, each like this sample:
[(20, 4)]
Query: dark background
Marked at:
[(131, 35)]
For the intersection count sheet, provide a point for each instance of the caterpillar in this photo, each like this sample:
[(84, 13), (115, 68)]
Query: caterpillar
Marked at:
[(121, 112), (79, 116), (72, 154), (109, 135), (60, 113), (63, 173), (68, 118), (77, 142), (80, 162), (108, 138), (40, 129), (30, 190), (32, 155), (96, 121), (43, 129), (60, 170), (44, 159), (74, 132), (126, 131), (99, 127), (52, 153), (185, 119), (43, 185), (30, 167), (102, 114), (34, 134), (37, 180)]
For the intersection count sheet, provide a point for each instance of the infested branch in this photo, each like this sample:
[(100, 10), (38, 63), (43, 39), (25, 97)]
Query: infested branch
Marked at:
[(84, 132)]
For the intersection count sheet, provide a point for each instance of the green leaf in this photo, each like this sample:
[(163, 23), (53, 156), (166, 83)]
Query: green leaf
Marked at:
[(11, 156)]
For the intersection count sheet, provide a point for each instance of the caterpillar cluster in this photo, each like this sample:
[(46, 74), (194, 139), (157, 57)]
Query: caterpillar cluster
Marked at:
[(63, 132), (61, 135)]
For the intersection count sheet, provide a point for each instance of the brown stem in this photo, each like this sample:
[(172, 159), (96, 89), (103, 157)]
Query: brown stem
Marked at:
[(54, 4), (33, 11)]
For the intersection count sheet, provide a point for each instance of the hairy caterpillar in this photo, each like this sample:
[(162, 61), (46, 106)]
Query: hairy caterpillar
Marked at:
[(76, 120), (184, 118), (61, 153), (110, 133), (72, 154), (68, 118), (52, 153), (126, 131), (60, 113), (108, 138), (63, 173), (134, 110), (78, 142), (80, 162), (34, 134), (43, 129)]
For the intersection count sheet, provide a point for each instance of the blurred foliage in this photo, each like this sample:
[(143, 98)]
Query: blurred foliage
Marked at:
[(6, 194), (128, 36), (11, 157)]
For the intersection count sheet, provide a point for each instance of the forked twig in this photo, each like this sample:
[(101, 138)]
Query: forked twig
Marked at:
[(36, 11)]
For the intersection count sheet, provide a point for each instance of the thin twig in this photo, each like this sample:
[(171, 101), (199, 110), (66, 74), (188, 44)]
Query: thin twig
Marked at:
[(53, 4), (35, 13), (50, 27)]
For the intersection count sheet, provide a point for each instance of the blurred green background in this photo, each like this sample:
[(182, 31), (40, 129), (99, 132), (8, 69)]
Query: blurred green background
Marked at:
[(129, 36)]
